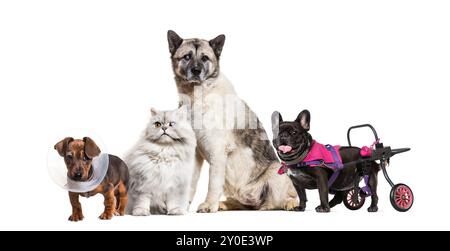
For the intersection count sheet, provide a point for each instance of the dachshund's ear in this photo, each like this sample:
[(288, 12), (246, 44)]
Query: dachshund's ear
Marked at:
[(61, 146), (90, 148), (304, 118)]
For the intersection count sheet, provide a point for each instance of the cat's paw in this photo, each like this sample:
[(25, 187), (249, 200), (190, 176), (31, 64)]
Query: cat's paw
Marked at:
[(177, 211), (139, 211), (207, 207)]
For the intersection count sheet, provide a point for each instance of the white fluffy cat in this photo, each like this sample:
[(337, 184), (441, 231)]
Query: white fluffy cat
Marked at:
[(161, 165)]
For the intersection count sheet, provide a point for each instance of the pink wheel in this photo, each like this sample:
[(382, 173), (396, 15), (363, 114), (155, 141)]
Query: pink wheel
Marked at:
[(402, 197), (354, 199)]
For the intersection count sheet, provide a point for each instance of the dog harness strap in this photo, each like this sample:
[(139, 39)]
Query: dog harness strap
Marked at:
[(337, 164), (366, 188), (333, 178)]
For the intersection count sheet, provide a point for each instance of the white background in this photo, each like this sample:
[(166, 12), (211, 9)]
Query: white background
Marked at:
[(98, 67)]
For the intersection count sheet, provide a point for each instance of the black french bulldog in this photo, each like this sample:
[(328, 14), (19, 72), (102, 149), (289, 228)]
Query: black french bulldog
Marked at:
[(295, 136)]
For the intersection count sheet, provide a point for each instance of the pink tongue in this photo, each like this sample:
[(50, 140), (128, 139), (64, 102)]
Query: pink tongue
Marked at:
[(285, 149)]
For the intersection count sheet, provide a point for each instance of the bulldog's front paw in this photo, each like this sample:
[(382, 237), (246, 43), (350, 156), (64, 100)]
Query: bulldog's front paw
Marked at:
[(322, 209), (372, 209), (300, 208), (76, 217), (176, 211), (139, 211), (106, 216), (207, 207)]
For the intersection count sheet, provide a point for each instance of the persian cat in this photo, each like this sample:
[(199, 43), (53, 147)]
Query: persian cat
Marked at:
[(161, 165)]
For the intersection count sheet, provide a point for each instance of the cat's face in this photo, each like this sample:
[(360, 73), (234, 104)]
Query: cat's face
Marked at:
[(168, 127)]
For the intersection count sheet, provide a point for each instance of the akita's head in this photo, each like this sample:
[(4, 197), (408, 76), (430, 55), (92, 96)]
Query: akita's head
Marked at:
[(195, 60)]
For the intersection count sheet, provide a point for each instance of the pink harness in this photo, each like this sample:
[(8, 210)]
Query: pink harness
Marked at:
[(320, 152), (318, 155)]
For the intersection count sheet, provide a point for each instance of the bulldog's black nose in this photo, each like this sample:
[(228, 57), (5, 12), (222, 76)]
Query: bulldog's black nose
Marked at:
[(196, 70)]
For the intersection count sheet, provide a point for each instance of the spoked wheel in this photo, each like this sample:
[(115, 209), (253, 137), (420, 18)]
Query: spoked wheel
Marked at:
[(402, 197), (354, 199)]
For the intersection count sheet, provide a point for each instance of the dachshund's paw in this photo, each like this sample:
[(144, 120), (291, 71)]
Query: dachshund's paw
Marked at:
[(105, 216), (139, 211), (372, 209), (76, 217), (207, 207), (322, 209)]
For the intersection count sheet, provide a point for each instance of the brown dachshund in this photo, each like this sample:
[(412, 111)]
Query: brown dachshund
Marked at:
[(78, 155)]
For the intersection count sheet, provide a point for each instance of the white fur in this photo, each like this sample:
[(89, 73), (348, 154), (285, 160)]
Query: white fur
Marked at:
[(160, 168)]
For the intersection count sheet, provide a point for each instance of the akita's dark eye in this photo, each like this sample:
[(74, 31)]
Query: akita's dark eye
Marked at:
[(187, 57), (205, 58)]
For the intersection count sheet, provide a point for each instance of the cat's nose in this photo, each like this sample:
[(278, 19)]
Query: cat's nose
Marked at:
[(164, 128)]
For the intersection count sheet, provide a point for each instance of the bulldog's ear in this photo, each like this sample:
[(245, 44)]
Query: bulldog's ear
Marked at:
[(90, 148), (174, 41), (61, 146), (276, 120), (217, 44), (304, 118)]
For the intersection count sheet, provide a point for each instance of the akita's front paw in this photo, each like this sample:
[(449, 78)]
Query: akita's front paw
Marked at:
[(177, 211), (207, 207), (290, 205), (139, 211)]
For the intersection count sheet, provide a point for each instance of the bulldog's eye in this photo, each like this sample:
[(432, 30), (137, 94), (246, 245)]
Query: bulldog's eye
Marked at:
[(157, 124), (171, 124), (187, 57), (293, 132), (205, 58)]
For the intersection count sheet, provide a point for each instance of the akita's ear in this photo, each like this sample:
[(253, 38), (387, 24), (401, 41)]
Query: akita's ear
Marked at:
[(276, 120), (217, 44), (304, 118), (174, 41)]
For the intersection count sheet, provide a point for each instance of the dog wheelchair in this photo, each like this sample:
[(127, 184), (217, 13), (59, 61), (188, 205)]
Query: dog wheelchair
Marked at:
[(401, 196)]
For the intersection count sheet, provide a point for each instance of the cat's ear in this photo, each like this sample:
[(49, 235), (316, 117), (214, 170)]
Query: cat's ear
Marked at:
[(153, 111)]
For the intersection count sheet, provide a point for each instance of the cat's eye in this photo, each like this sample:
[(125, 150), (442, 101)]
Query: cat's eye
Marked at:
[(205, 58), (171, 124), (187, 57), (157, 124)]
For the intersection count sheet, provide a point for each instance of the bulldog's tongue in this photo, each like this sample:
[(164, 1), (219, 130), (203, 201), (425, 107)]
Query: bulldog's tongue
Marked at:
[(285, 149)]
